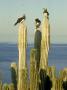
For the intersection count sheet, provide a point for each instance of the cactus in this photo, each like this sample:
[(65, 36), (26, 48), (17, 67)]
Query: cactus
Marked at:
[(14, 74), (45, 42), (22, 84), (33, 71), (37, 46), (0, 85), (11, 86), (22, 45), (24, 77), (5, 87)]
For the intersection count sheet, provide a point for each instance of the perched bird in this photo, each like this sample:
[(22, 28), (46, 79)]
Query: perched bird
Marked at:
[(20, 19), (37, 20), (45, 11)]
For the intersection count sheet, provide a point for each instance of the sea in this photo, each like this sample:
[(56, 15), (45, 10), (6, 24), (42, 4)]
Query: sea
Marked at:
[(9, 54)]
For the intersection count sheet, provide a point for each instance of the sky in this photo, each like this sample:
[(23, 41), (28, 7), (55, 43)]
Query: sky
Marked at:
[(10, 10)]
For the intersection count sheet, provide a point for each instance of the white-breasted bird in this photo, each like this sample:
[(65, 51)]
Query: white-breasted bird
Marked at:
[(20, 19)]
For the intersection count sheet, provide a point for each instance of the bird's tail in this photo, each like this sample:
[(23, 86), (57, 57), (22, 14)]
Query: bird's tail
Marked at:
[(15, 24)]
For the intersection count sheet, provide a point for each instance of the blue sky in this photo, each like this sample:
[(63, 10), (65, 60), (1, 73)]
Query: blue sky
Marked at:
[(10, 10)]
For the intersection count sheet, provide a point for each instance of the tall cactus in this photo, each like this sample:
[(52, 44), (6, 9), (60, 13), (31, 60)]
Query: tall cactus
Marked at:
[(37, 42), (45, 42), (22, 45)]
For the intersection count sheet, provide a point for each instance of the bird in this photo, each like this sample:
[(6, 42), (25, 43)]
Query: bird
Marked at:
[(37, 20), (45, 11), (20, 19)]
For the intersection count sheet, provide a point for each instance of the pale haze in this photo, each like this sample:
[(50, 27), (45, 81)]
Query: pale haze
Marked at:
[(10, 10)]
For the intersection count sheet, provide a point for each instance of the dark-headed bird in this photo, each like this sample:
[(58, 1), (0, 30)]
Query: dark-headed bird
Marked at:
[(20, 19), (45, 11)]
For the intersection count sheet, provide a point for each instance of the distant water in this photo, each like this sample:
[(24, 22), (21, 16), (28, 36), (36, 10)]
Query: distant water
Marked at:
[(9, 53)]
